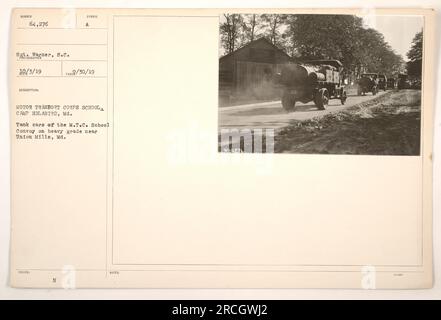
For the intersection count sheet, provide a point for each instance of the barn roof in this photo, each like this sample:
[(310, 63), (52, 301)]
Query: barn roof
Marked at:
[(262, 39)]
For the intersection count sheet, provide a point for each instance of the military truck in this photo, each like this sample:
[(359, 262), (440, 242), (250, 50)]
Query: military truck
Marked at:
[(382, 82), (403, 81), (391, 83), (368, 82), (315, 80)]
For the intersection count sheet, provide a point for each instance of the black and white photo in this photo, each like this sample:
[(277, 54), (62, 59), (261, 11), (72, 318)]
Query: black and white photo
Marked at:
[(320, 84)]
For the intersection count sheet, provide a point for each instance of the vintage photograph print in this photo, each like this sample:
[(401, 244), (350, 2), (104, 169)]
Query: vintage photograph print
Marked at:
[(320, 84)]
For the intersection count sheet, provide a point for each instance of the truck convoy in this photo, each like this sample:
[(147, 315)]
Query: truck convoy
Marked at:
[(322, 80), (368, 82), (316, 80)]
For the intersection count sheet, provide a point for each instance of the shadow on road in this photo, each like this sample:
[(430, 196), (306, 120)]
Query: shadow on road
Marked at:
[(274, 110), (260, 111)]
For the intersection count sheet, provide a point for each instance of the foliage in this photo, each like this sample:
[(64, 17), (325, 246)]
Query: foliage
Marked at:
[(272, 24), (342, 37), (251, 26), (230, 32), (415, 55), (306, 37)]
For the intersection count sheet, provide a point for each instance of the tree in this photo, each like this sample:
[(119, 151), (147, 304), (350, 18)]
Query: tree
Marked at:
[(341, 37), (416, 51), (273, 23), (250, 27), (374, 54), (415, 56), (321, 36), (230, 32)]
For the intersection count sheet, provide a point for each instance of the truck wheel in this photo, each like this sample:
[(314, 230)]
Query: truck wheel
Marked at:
[(343, 97), (288, 102), (322, 99)]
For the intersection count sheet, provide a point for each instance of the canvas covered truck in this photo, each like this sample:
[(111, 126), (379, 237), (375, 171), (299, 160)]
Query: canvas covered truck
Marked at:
[(317, 80), (368, 82)]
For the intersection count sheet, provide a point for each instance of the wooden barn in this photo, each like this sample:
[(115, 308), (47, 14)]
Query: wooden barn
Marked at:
[(247, 74)]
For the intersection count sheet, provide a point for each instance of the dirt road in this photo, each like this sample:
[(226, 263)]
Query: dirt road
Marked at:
[(386, 125), (389, 127), (272, 115)]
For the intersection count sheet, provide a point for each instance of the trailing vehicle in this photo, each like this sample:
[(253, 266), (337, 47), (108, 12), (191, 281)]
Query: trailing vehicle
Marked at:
[(316, 80), (415, 83), (368, 82), (382, 82), (391, 83), (403, 82)]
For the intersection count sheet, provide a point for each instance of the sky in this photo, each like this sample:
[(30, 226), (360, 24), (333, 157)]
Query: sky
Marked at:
[(398, 31)]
